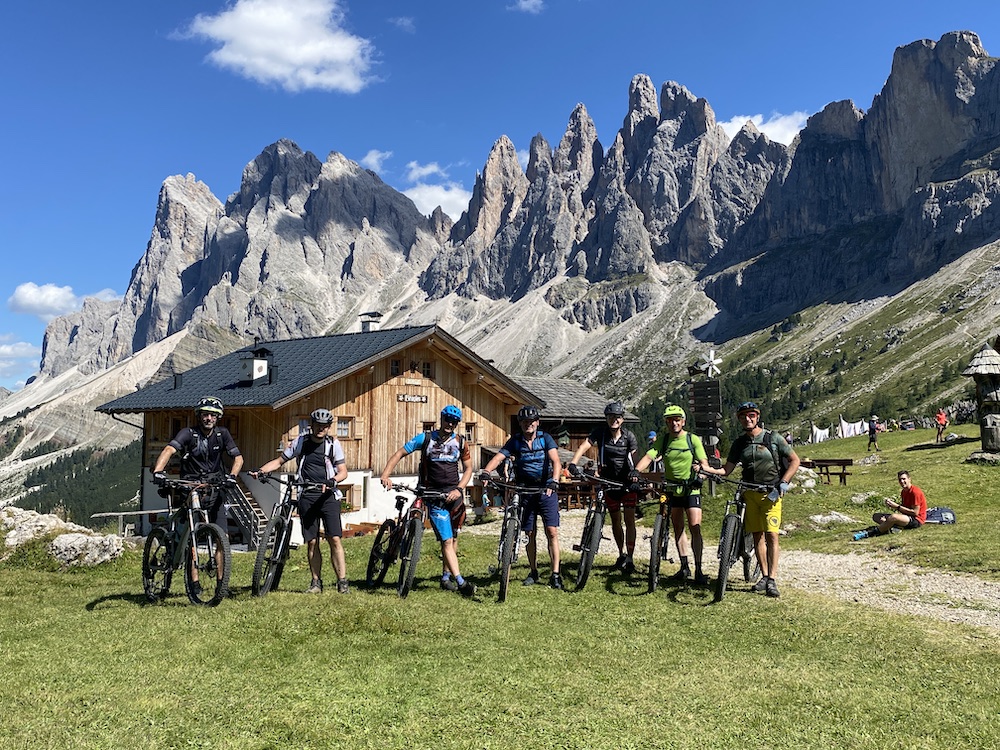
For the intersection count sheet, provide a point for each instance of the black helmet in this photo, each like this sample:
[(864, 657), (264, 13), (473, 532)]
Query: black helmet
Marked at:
[(527, 414), (209, 404), (615, 408), (322, 416)]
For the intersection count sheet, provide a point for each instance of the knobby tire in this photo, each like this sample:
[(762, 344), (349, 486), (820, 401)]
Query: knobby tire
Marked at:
[(379, 558), (157, 564), (656, 552), (270, 556), (410, 555), (508, 541), (208, 543), (589, 543), (727, 553)]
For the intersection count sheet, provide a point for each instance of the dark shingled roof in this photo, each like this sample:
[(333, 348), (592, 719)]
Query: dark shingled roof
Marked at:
[(568, 399), (297, 366)]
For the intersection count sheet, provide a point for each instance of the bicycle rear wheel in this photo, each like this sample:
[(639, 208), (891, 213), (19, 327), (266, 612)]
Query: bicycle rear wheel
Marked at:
[(270, 556), (409, 555), (589, 542), (207, 565), (656, 551), (508, 543), (157, 564), (379, 558), (727, 553), (751, 563)]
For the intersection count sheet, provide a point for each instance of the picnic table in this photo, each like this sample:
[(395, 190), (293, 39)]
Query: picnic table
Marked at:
[(827, 468)]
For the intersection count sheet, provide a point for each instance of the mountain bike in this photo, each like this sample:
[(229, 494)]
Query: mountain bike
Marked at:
[(509, 544), (659, 540), (188, 540), (275, 544), (401, 539), (593, 527), (735, 542)]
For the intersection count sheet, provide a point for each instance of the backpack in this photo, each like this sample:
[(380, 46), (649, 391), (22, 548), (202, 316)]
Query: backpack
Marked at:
[(422, 471), (940, 515), (327, 450), (780, 462)]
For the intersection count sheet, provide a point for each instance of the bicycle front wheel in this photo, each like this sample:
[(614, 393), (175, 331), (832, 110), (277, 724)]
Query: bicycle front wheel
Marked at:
[(157, 564), (589, 543), (727, 553), (656, 552), (508, 543), (379, 558), (270, 556), (410, 555), (207, 565)]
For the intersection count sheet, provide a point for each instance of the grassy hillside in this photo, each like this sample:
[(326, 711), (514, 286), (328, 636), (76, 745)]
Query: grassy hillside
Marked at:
[(88, 664)]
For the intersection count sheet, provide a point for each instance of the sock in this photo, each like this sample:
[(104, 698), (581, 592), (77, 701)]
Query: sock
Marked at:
[(460, 580), (445, 577), (684, 563)]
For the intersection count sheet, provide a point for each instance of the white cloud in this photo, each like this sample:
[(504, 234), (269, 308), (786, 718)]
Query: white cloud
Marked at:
[(18, 359), (451, 196), (404, 23), (374, 159), (528, 6), (298, 46), (49, 301), (416, 172), (523, 157), (778, 127)]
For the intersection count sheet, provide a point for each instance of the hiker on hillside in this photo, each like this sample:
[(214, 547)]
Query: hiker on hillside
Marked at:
[(873, 433), (766, 459), (616, 449), (320, 461), (535, 463), (200, 449), (442, 452), (684, 457)]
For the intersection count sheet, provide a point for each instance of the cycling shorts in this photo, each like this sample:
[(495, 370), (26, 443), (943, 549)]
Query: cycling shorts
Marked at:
[(913, 524), (615, 500), (684, 500), (315, 507), (762, 514), (545, 503), (441, 522)]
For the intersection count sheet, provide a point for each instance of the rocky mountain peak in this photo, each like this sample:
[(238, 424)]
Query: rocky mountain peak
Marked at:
[(496, 196)]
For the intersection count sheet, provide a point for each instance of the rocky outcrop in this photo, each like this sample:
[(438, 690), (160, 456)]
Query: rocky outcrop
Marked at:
[(71, 545)]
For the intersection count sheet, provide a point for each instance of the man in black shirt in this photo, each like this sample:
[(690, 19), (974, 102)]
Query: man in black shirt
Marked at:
[(200, 449)]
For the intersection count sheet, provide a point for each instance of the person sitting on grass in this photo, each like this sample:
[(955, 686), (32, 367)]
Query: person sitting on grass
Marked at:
[(909, 513)]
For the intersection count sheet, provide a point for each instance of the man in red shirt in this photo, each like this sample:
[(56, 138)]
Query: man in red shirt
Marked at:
[(909, 513)]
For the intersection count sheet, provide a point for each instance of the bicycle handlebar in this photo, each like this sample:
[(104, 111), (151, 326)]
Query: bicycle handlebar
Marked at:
[(266, 478), (740, 484), (600, 480), (420, 492), (520, 489)]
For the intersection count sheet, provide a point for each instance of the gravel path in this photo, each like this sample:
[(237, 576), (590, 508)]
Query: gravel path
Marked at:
[(873, 580)]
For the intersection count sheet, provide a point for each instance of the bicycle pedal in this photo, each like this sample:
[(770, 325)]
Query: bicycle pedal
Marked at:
[(577, 548)]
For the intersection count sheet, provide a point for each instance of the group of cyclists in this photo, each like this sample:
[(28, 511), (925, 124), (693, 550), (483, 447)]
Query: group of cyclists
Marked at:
[(531, 457)]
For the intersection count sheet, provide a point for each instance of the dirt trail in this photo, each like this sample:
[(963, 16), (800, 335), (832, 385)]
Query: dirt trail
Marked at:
[(864, 578)]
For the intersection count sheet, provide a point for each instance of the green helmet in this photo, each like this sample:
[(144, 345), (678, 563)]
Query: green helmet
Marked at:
[(673, 410)]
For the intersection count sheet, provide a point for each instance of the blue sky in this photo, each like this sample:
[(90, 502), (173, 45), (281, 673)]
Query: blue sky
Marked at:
[(103, 101)]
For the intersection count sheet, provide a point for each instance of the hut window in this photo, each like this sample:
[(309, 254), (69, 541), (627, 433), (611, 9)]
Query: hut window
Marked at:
[(470, 432), (427, 368), (395, 367), (344, 425)]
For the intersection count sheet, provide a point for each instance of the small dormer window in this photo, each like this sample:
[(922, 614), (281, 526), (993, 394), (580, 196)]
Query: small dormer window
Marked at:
[(427, 369), (395, 367)]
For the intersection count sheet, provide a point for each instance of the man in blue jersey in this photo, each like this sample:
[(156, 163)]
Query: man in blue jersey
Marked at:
[(535, 458), (442, 452)]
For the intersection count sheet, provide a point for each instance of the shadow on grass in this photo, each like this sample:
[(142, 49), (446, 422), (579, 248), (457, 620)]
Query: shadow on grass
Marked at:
[(139, 600), (941, 446)]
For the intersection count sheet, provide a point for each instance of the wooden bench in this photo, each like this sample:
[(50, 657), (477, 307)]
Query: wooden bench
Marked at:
[(827, 468)]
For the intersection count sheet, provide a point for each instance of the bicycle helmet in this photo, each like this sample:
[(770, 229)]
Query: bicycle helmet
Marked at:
[(322, 416), (747, 406), (527, 414), (673, 410), (615, 409), (452, 413), (209, 404)]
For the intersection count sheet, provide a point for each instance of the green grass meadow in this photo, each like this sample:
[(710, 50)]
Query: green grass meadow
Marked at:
[(87, 663)]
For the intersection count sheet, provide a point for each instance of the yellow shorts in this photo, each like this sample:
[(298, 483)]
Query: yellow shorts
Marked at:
[(762, 514)]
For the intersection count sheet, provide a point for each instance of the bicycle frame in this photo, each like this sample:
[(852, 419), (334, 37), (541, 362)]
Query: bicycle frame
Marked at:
[(401, 538), (593, 525), (509, 544)]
